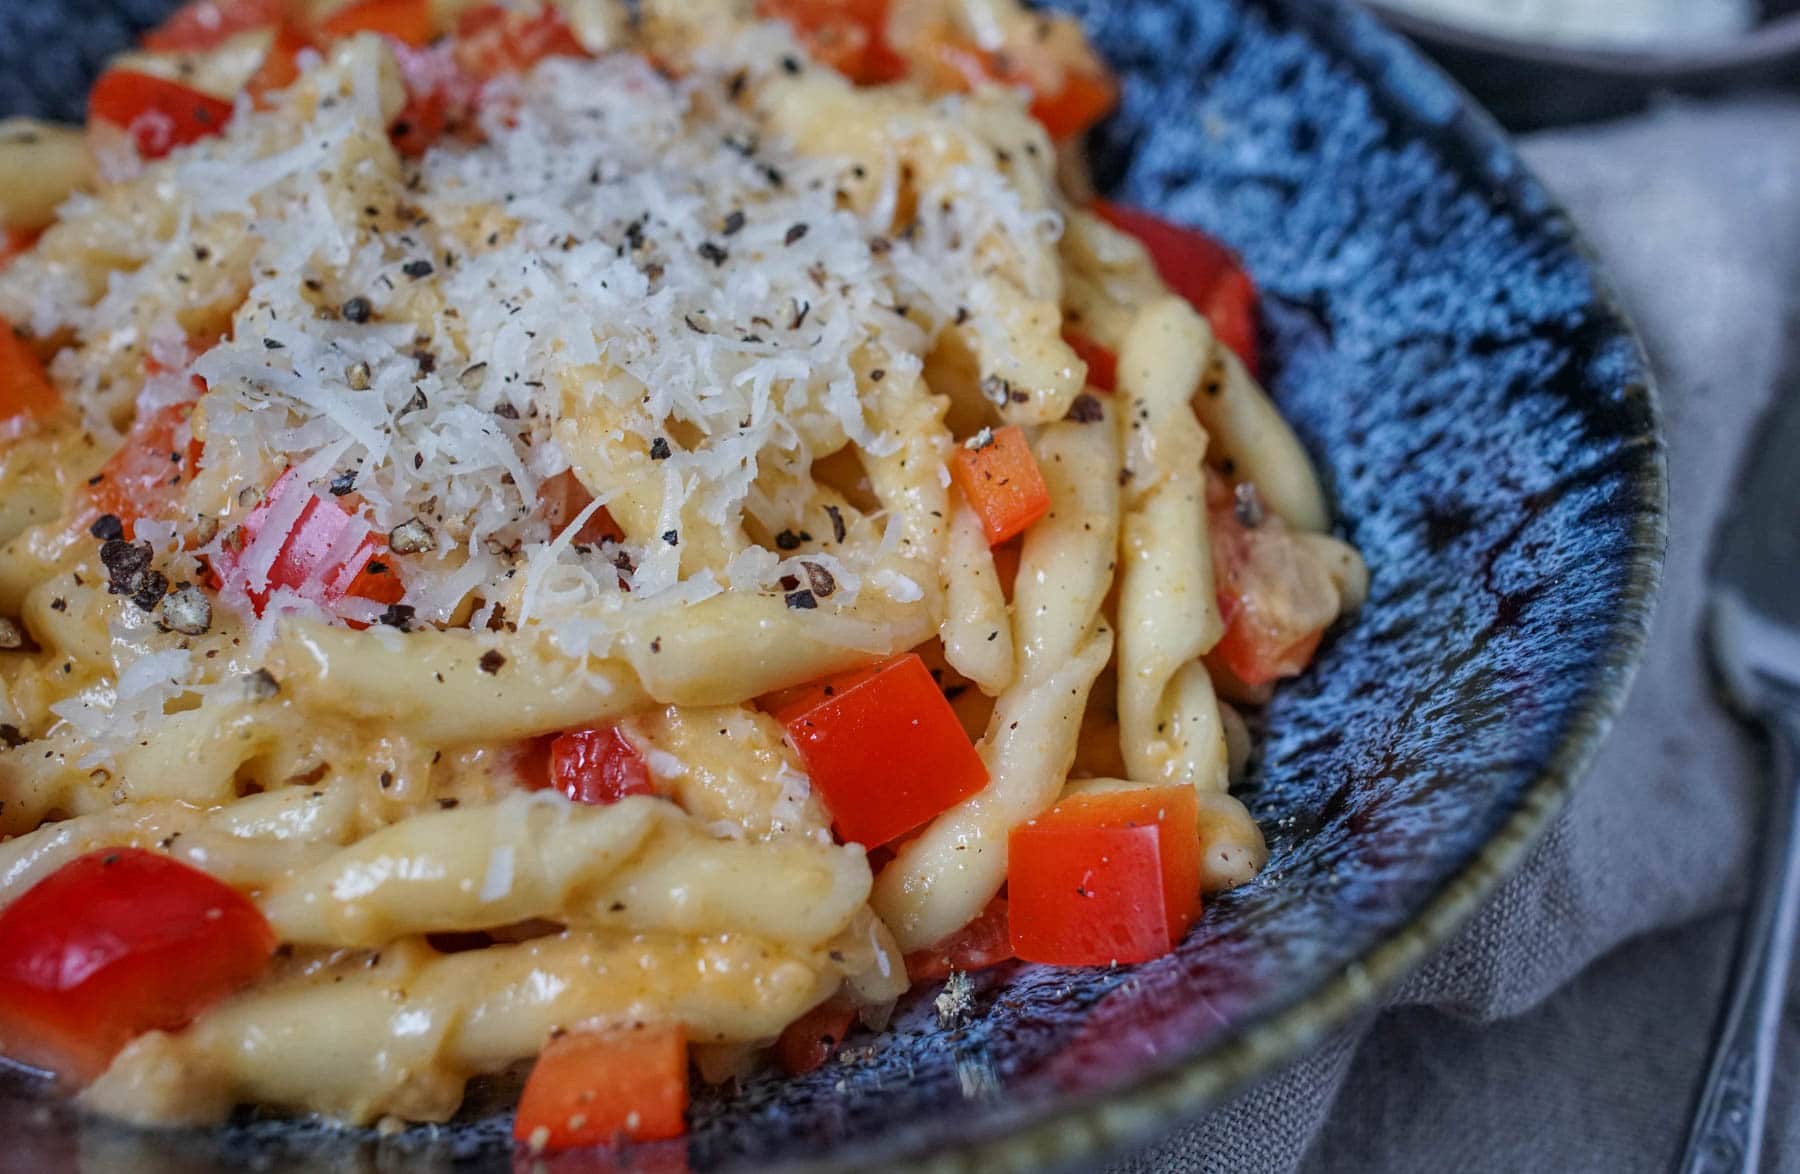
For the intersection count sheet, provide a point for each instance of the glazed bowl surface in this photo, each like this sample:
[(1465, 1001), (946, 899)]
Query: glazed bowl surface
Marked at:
[(1482, 415)]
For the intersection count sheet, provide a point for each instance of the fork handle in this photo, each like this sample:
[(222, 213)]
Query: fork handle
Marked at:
[(1726, 1132)]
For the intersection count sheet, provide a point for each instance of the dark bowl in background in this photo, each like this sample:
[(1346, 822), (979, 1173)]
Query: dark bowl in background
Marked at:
[(1528, 85), (1482, 415)]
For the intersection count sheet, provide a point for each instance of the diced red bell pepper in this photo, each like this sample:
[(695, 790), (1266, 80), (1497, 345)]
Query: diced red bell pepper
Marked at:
[(377, 582), (1201, 270), (884, 749), (598, 765), (1105, 878), (406, 21), (1002, 483), (592, 1087), (813, 1038), (280, 64), (444, 81), (531, 762), (1274, 614), (563, 497), (159, 115), (983, 942), (206, 24), (882, 746), (114, 944), (14, 241), (26, 393), (441, 97), (326, 553), (1082, 100), (143, 478), (1258, 661), (1102, 364), (1231, 309), (159, 454), (850, 36), (494, 40), (433, 104)]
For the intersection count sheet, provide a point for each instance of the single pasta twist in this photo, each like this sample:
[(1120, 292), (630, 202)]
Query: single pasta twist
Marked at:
[(1170, 730), (939, 881)]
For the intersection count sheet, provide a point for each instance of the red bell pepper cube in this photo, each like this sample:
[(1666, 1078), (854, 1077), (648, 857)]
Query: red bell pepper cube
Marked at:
[(14, 241), (1081, 100), (26, 393), (406, 21), (1102, 364), (812, 1039), (597, 765), (143, 478), (850, 36), (493, 40), (593, 1087), (884, 749), (1001, 482), (280, 64), (1201, 270), (563, 497), (159, 115), (982, 943), (1274, 615), (207, 24), (1105, 878), (325, 552), (114, 944)]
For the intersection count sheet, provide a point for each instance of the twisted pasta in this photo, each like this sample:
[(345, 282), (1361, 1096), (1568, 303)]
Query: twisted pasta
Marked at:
[(445, 521), (942, 879), (1169, 724)]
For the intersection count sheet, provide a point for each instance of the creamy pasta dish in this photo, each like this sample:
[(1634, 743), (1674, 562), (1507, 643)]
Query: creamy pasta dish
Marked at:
[(605, 538)]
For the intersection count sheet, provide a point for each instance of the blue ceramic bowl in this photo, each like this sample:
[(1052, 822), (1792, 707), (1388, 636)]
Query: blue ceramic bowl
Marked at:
[(1483, 417)]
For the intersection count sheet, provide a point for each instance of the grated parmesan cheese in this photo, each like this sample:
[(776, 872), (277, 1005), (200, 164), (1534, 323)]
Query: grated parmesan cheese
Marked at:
[(499, 879), (629, 276), (111, 715), (789, 810), (662, 764)]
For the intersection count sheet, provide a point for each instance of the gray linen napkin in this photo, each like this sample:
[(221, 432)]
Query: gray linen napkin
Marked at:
[(1567, 1026)]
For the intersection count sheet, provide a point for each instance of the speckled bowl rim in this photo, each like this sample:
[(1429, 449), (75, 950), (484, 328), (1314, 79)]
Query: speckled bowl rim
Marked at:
[(1090, 1129), (1769, 43)]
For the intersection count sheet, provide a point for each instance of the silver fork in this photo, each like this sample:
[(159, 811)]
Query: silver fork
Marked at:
[(1754, 632)]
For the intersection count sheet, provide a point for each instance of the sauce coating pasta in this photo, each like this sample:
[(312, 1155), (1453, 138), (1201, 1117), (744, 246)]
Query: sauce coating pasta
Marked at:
[(478, 483)]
